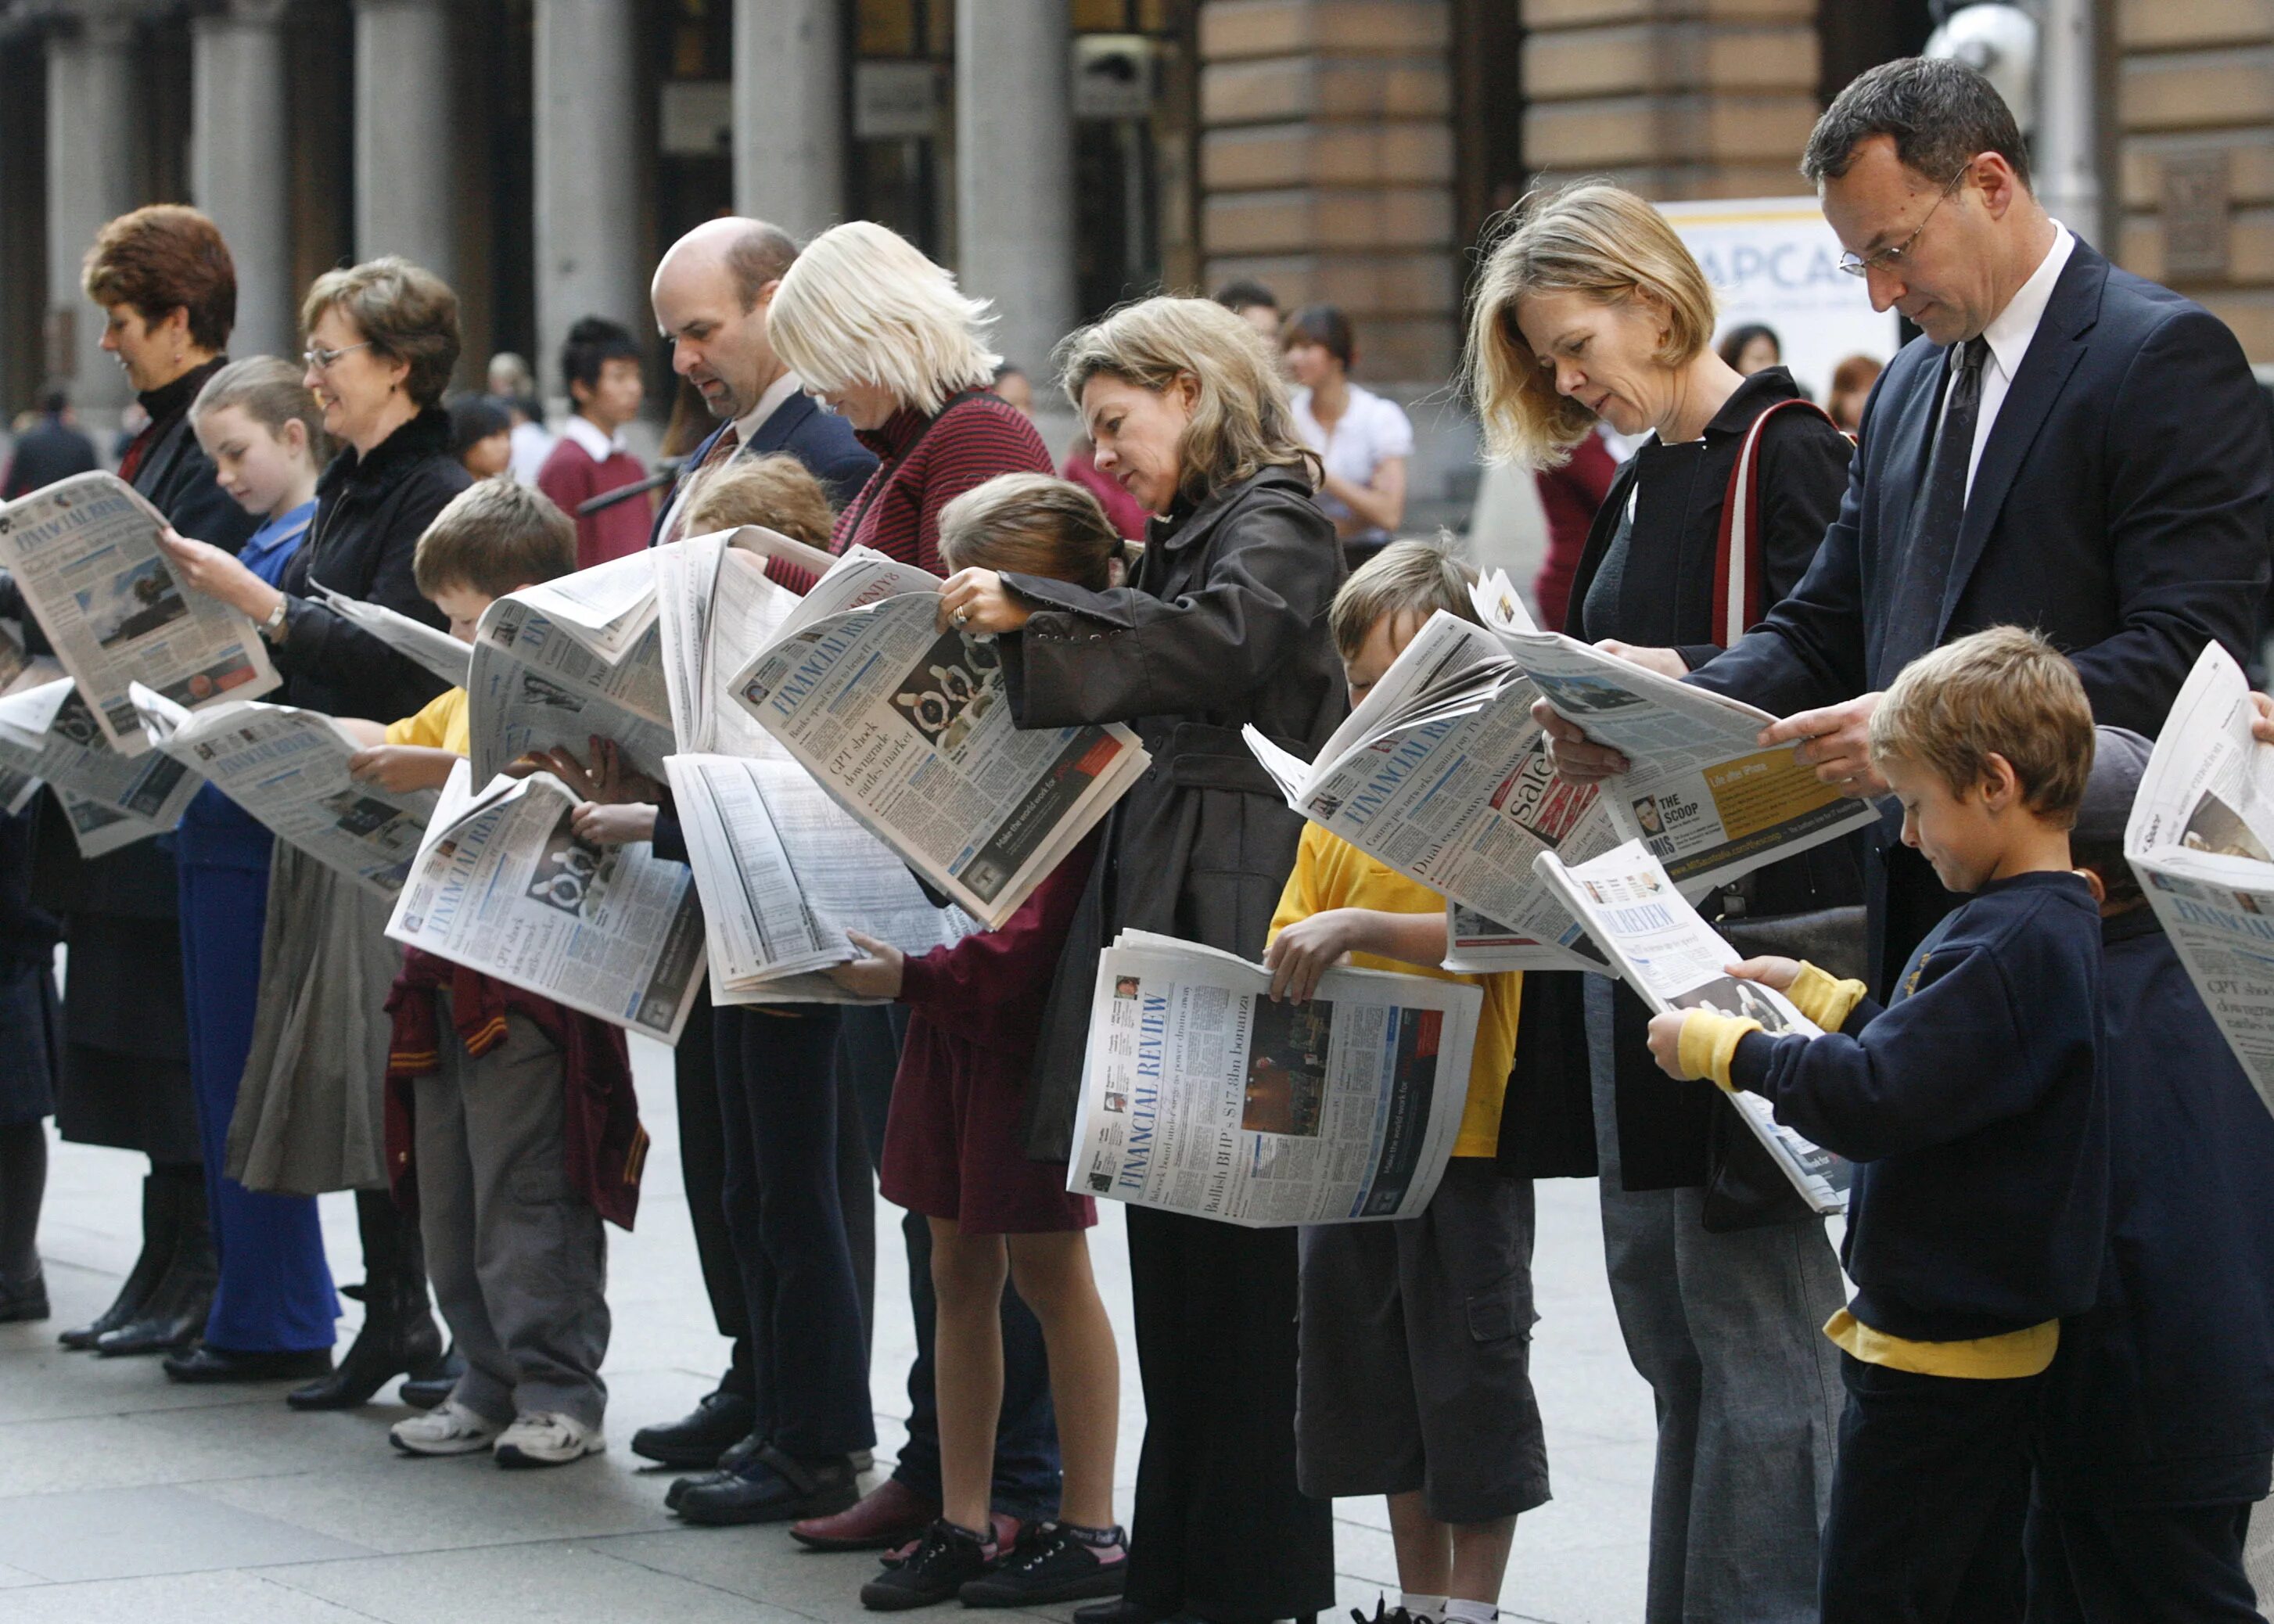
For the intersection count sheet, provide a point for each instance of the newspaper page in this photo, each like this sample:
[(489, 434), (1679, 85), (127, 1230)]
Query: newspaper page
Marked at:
[(1674, 960), (908, 728), (2200, 838), (99, 830), (288, 768), (1476, 945), (424, 645), (84, 555), (716, 608), (1202, 1095), (783, 871), (540, 683), (502, 884), (49, 732)]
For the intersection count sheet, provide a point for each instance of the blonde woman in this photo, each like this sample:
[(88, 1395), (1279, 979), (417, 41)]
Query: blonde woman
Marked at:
[(1223, 624), (1591, 309)]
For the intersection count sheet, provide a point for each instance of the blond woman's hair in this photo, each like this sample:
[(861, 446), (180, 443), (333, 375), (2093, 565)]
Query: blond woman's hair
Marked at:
[(402, 310), (1406, 577), (776, 490), (493, 536), (1241, 422), (1030, 524), (1591, 238), (2002, 692), (862, 305)]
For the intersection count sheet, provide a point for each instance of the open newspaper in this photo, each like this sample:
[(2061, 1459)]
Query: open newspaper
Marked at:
[(907, 726), (99, 830), (48, 731), (502, 884), (1202, 1095), (715, 609), (2202, 839), (559, 663), (425, 645), (1476, 945), (1674, 960), (783, 871), (287, 769), (85, 553)]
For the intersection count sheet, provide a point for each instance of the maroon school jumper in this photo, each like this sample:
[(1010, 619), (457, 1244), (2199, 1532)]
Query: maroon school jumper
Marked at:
[(955, 1141), (571, 476)]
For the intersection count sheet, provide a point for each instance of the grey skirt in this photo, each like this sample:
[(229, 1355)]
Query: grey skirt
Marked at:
[(311, 1112)]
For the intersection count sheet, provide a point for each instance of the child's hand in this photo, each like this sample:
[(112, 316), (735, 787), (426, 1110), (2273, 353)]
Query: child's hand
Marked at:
[(1305, 950), (400, 768), (877, 975), (1768, 970), (615, 780), (1666, 1042), (623, 824), (561, 763), (204, 568)]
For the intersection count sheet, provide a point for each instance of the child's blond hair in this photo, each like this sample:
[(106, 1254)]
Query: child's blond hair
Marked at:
[(1406, 577), (2004, 691), (777, 491), (494, 535), (1030, 524)]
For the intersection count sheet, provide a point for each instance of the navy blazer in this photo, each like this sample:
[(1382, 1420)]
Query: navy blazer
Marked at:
[(2121, 507), (819, 439)]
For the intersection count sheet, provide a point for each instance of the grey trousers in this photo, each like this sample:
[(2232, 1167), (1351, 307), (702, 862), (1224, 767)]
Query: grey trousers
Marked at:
[(1726, 1329), (518, 1262)]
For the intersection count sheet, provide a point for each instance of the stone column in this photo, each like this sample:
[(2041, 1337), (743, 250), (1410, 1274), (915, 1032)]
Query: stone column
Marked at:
[(240, 170), (789, 113), (91, 126), (406, 140), (589, 254), (1014, 171)]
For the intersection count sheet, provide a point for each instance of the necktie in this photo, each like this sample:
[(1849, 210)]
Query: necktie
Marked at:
[(1914, 615), (721, 449), (137, 448)]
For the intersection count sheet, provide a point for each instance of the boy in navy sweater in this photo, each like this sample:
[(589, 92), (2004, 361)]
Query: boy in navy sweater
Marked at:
[(1973, 1108)]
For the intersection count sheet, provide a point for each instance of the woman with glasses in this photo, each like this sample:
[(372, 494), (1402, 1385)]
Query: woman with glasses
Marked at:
[(382, 339), (1591, 309)]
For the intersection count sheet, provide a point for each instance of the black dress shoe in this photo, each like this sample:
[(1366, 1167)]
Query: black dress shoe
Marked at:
[(770, 1487), (207, 1364), (423, 1392), (172, 1324), (718, 1423), (23, 1299)]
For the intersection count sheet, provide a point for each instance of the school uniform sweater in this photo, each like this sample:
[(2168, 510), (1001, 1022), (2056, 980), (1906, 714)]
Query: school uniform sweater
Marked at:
[(1975, 1110)]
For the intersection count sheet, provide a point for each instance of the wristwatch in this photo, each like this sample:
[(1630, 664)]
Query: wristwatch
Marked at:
[(274, 625)]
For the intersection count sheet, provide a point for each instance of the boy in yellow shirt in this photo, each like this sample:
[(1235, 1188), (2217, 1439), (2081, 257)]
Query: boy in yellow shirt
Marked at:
[(1414, 1354)]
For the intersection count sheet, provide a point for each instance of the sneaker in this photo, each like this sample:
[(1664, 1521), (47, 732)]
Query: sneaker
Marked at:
[(449, 1428), (547, 1437), (1052, 1563), (944, 1561)]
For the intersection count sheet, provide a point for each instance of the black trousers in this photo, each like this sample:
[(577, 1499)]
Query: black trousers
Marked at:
[(703, 1171), (1219, 1528), (1929, 1500), (2093, 1564)]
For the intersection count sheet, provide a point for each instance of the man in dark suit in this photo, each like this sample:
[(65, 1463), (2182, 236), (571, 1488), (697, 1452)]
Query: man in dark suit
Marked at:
[(53, 448)]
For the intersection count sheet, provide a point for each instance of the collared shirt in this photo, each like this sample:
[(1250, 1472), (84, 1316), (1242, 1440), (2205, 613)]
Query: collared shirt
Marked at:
[(586, 434), (2008, 336), (746, 428), (270, 548)]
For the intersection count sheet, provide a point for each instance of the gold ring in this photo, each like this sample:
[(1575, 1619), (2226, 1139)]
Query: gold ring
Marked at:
[(960, 617)]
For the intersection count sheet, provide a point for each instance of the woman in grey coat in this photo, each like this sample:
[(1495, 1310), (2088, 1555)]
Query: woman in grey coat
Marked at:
[(1224, 624)]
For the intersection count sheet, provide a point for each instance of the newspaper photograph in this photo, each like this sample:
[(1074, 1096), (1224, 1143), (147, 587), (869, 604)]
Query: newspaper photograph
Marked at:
[(85, 553), (908, 728), (1674, 960), (783, 871), (715, 609), (2200, 838), (1202, 1095), (544, 677), (426, 646), (502, 884), (49, 732), (99, 830), (287, 769)]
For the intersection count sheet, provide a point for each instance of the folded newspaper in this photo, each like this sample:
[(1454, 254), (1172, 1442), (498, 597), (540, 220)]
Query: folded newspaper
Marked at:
[(99, 830), (287, 769), (84, 555), (783, 871), (908, 727), (1674, 960), (2202, 839), (502, 884), (425, 645), (559, 663), (1201, 1095), (715, 609), (48, 731)]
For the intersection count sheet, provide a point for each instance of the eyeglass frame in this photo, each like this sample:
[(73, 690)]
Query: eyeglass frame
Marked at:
[(1864, 265), (321, 360)]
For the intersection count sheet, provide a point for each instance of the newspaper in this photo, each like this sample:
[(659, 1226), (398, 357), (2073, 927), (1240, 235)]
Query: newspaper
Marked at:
[(1476, 945), (716, 608), (424, 645), (783, 871), (502, 884), (85, 556), (99, 830), (908, 728), (1200, 1095), (48, 731), (2200, 837), (559, 663), (1674, 960), (287, 769)]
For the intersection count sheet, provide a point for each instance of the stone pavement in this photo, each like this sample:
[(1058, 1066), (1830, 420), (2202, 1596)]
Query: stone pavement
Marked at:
[(124, 1497)]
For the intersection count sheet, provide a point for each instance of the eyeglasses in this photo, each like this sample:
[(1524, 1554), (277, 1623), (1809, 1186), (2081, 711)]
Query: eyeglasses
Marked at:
[(322, 360), (1891, 258)]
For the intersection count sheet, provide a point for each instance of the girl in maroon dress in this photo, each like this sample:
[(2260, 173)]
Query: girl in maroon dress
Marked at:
[(954, 1151)]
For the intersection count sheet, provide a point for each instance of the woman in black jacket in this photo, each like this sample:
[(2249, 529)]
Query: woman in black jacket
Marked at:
[(382, 339), (1224, 624), (1591, 308)]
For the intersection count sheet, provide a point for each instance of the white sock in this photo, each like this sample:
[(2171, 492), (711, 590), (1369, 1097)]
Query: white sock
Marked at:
[(1470, 1612), (1421, 1607)]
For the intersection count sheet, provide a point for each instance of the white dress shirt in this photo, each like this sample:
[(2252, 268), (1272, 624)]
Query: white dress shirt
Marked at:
[(2008, 335), (585, 433), (745, 427)]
